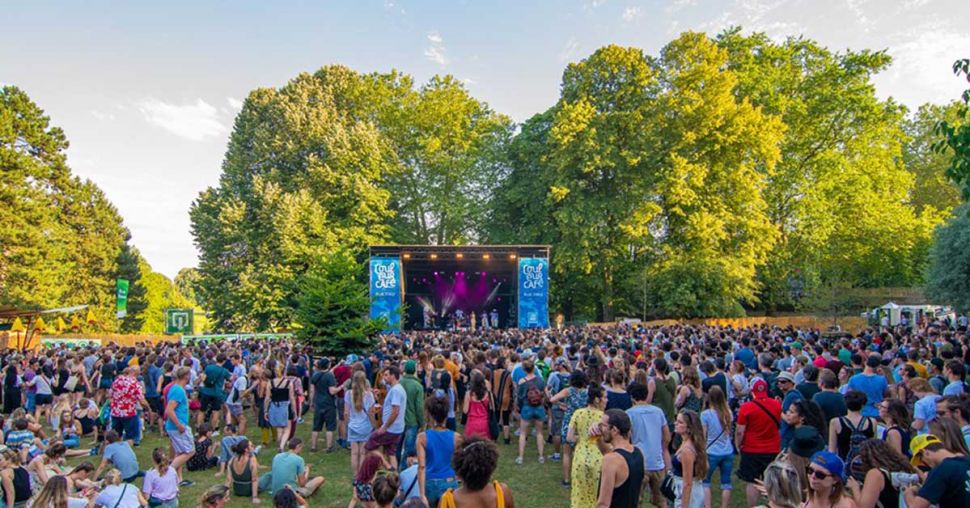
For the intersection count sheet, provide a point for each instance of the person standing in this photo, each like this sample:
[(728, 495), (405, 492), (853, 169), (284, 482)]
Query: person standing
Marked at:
[(651, 434), (414, 414), (126, 395), (622, 472), (689, 463), (872, 383), (531, 411), (786, 383), (212, 394), (830, 399), (955, 374), (945, 485), (388, 435), (716, 420), (177, 423), (475, 406), (757, 437), (323, 386), (435, 448), (587, 459)]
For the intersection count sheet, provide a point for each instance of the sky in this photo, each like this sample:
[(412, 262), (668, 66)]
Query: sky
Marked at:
[(147, 91)]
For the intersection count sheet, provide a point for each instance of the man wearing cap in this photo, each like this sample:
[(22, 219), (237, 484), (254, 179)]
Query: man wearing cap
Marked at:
[(871, 383), (786, 383), (948, 483), (757, 437), (414, 414)]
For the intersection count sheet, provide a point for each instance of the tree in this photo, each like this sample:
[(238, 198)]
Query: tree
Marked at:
[(332, 307), (948, 276), (956, 136), (186, 281), (932, 189)]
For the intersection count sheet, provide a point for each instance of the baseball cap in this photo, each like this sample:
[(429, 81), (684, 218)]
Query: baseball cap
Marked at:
[(351, 359), (759, 389), (917, 444), (830, 462)]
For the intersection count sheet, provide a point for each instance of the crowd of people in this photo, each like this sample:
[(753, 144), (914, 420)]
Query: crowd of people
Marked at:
[(633, 415)]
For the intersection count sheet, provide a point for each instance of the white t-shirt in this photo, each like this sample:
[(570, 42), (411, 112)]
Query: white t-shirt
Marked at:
[(238, 386), (108, 498), (396, 396)]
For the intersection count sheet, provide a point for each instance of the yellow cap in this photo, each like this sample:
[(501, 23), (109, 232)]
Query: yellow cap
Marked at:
[(917, 444)]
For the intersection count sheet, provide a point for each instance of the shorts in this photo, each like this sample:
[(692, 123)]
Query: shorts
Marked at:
[(652, 481), (533, 413), (386, 440), (363, 491), (434, 488), (504, 417), (235, 409), (326, 415), (557, 418), (340, 408), (182, 442), (43, 399), (155, 403), (753, 465), (105, 384), (209, 402), (279, 414), (722, 463)]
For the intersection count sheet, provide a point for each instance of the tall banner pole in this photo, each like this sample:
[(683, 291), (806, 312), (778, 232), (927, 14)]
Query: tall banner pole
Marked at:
[(533, 275), (385, 291), (121, 291)]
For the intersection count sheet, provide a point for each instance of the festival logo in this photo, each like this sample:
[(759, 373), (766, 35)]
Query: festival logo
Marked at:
[(386, 276), (533, 277)]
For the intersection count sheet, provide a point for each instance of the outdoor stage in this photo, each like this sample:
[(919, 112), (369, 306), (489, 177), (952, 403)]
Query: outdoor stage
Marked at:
[(443, 286)]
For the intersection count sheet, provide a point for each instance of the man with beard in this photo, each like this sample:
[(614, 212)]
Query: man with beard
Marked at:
[(621, 475)]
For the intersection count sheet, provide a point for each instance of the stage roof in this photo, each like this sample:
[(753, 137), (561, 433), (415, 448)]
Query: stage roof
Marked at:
[(410, 253)]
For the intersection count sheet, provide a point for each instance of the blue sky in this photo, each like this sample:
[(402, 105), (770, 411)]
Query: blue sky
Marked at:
[(147, 91)]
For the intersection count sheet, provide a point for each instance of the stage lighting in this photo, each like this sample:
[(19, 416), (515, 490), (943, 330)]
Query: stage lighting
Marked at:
[(436, 273), (459, 255), (511, 256), (485, 256), (407, 256), (434, 256)]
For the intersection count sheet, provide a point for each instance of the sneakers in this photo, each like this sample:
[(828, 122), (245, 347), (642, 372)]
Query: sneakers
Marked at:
[(542, 460), (556, 457), (186, 483), (518, 461)]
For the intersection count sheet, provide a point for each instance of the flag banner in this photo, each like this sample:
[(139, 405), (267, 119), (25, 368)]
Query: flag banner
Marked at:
[(121, 290), (385, 291), (179, 321), (533, 293)]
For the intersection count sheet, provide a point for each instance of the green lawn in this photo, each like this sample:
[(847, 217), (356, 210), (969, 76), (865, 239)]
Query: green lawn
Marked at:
[(533, 484)]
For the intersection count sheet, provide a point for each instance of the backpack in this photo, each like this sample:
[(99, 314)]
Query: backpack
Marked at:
[(856, 438), (534, 396)]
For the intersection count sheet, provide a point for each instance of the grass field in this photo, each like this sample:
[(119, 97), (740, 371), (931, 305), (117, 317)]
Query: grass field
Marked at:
[(533, 484)]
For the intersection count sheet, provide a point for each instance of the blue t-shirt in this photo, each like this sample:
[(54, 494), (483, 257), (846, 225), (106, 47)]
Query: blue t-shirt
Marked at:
[(925, 409), (286, 467), (747, 356), (874, 386), (123, 457), (954, 388), (177, 394), (151, 381), (787, 431), (409, 477), (718, 438), (647, 423)]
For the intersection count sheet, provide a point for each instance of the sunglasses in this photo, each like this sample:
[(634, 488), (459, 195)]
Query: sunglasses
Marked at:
[(819, 475)]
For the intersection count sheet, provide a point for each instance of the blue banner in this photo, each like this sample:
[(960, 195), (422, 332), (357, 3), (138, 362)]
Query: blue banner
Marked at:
[(533, 293), (385, 291)]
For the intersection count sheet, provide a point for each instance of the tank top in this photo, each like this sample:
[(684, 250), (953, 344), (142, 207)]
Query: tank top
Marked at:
[(627, 495), (279, 393), (242, 483), (676, 466), (692, 401), (438, 450), (844, 437), (888, 497), (904, 437), (663, 397), (448, 498), (21, 485)]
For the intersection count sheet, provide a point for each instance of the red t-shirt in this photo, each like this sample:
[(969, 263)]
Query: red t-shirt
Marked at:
[(761, 432), (341, 373)]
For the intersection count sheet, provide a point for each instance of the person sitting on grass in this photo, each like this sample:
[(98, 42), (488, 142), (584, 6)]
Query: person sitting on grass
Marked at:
[(243, 471), (385, 490), (369, 466), (161, 485), (119, 454), (47, 464), (23, 439), (226, 444), (54, 494), (287, 498), (78, 478), (205, 450), (290, 470), (118, 493), (215, 497)]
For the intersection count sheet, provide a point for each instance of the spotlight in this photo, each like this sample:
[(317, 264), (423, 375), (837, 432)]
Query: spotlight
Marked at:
[(485, 256), (407, 256), (511, 256), (436, 274), (434, 256), (459, 255)]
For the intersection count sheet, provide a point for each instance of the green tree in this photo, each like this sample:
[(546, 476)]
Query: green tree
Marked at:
[(186, 281), (932, 189), (956, 136), (948, 275), (332, 307)]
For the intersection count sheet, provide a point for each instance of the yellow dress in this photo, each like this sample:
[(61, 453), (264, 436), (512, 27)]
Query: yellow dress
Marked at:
[(587, 459)]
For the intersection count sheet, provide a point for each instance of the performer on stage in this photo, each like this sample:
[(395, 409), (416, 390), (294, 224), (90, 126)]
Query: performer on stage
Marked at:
[(494, 318)]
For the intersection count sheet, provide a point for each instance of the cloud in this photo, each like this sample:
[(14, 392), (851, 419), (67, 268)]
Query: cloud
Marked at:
[(922, 68), (468, 81), (436, 51), (569, 50), (101, 115), (194, 121), (632, 13), (234, 103)]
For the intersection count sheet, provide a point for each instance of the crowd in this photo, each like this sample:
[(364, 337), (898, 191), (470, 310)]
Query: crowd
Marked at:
[(801, 418)]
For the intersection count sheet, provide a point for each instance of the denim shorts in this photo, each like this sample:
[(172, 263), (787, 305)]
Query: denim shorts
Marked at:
[(533, 413), (724, 463), (434, 488)]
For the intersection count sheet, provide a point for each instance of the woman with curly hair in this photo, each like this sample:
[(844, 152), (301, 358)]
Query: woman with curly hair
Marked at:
[(875, 466), (689, 463), (474, 463), (895, 415)]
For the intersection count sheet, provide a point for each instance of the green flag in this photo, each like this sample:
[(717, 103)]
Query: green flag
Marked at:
[(122, 291)]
